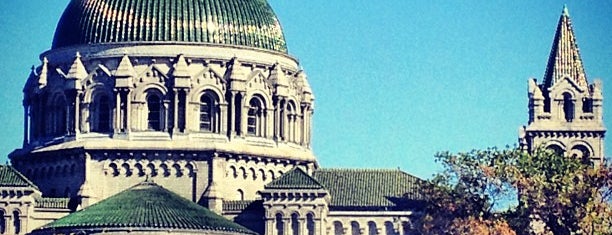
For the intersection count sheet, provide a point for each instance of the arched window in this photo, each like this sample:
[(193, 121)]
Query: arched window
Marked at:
[(338, 229), (208, 113), (17, 222), (154, 117), (568, 107), (151, 170), (355, 229), (57, 119), (291, 122), (280, 226), (389, 228), (556, 149), (101, 114), (407, 228), (372, 230), (587, 105), (310, 224), (581, 152), (2, 222), (295, 224), (139, 170), (255, 117)]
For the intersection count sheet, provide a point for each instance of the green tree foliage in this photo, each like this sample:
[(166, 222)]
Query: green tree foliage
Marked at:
[(556, 194)]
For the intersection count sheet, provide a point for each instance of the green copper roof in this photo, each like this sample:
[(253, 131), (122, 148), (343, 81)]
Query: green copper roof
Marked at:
[(357, 188), (10, 177), (146, 206), (250, 23), (295, 179)]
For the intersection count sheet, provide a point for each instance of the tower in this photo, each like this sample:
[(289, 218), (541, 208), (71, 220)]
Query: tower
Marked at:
[(565, 110)]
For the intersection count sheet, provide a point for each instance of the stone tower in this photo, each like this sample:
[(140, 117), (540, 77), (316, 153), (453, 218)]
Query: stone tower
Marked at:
[(565, 110)]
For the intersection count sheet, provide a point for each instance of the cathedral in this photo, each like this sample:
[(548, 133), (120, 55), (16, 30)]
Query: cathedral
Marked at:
[(191, 117)]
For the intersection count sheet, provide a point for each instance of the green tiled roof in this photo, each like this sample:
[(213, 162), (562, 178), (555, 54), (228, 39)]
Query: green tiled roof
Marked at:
[(54, 203), (146, 206), (294, 179), (357, 188), (250, 23), (10, 177)]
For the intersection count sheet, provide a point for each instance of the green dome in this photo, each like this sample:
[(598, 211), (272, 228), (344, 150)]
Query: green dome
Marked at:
[(146, 206), (250, 23)]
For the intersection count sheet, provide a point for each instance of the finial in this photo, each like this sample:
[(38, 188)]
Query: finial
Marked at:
[(78, 55), (565, 10)]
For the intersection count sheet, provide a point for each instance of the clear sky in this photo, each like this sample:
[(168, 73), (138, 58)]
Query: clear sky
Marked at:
[(395, 81)]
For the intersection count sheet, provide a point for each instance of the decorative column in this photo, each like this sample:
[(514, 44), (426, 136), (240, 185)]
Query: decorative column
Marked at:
[(223, 118), (128, 111), (175, 122), (117, 117)]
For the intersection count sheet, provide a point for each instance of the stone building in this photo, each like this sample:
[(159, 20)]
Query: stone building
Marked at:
[(191, 117), (565, 110), (203, 99)]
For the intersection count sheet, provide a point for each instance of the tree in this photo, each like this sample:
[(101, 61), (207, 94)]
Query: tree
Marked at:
[(552, 193)]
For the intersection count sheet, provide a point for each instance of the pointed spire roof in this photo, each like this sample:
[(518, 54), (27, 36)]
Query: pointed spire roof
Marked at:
[(278, 75), (125, 68), (181, 68), (236, 71), (77, 69), (42, 77), (564, 59)]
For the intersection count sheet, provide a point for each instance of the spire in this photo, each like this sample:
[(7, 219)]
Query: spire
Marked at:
[(236, 70), (564, 59), (125, 68), (77, 69), (278, 75), (42, 77), (181, 69)]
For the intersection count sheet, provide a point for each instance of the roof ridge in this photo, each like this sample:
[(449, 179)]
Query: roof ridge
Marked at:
[(362, 169)]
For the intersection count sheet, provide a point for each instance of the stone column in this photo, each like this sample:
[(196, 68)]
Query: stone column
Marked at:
[(232, 115), (117, 117), (128, 112), (175, 110), (77, 112), (223, 118), (186, 114)]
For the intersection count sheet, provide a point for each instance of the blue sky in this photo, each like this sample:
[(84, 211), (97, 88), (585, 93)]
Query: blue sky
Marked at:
[(395, 81)]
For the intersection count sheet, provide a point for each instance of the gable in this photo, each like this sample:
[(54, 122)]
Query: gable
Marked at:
[(296, 178)]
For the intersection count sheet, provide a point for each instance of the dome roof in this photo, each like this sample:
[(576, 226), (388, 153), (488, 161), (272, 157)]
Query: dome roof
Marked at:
[(146, 206), (250, 23)]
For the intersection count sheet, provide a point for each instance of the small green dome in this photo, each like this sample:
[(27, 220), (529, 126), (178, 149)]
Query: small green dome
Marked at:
[(145, 206), (250, 23)]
